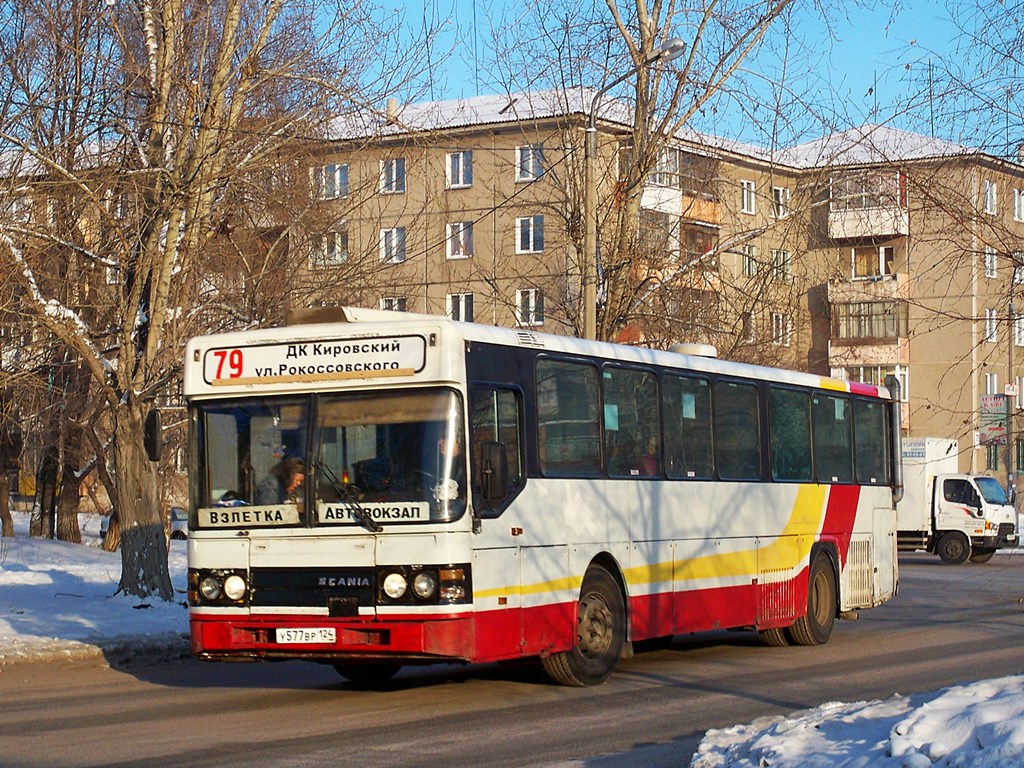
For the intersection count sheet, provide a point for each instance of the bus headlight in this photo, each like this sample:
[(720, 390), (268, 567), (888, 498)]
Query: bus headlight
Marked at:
[(395, 585), (424, 585), (234, 587), (210, 588)]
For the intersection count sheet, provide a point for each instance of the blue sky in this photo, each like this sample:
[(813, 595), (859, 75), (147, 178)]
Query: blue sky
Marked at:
[(875, 59)]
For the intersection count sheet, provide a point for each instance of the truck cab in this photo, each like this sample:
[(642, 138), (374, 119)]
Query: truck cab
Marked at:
[(973, 517)]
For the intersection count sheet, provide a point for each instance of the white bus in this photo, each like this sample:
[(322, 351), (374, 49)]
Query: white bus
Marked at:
[(403, 489)]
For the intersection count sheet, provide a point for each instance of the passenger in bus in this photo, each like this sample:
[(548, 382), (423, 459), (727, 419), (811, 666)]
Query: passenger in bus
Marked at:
[(649, 461), (283, 484)]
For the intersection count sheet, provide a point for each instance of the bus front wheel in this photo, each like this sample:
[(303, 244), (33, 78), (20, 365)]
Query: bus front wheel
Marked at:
[(600, 634), (815, 627), (367, 673)]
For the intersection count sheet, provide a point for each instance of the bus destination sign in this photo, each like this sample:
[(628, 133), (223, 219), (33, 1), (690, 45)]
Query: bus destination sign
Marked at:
[(314, 360)]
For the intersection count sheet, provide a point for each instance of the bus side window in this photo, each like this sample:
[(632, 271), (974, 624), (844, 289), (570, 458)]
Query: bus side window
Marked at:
[(568, 427), (632, 432), (686, 401), (789, 434), (737, 431), (833, 438), (871, 438), (495, 418)]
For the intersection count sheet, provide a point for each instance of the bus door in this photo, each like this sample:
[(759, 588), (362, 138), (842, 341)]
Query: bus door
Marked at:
[(498, 475)]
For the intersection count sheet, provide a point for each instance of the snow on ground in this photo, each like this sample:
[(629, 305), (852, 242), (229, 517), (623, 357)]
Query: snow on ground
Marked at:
[(57, 599)]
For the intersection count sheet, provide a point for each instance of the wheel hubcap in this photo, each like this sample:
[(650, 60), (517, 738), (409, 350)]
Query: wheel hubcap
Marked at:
[(595, 626)]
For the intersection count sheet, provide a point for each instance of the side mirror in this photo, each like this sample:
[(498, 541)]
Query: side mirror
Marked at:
[(493, 471), (152, 436)]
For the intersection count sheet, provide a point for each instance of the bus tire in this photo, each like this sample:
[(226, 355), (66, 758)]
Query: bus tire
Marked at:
[(600, 634), (815, 627), (981, 555), (367, 673), (774, 637), (953, 548)]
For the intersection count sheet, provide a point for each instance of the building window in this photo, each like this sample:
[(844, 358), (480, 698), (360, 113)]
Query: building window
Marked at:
[(780, 202), (991, 383), (876, 375), (666, 170), (1019, 444), (871, 320), (530, 234), (990, 261), (747, 326), (864, 190), (1018, 267), (782, 329), (1018, 205), (990, 197), (392, 245), (330, 181), (393, 303), (749, 260), (782, 266), (529, 162), (329, 249), (459, 306), (991, 332), (459, 169), (529, 306), (872, 261), (992, 457), (1018, 331), (392, 176), (748, 202), (459, 240)]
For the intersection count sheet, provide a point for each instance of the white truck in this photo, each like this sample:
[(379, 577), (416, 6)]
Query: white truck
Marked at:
[(953, 515)]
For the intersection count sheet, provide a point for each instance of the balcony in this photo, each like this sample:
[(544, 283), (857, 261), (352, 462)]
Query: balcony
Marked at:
[(693, 209), (869, 321), (893, 287), (862, 223)]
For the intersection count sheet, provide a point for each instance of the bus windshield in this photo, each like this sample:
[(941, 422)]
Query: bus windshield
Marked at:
[(395, 457)]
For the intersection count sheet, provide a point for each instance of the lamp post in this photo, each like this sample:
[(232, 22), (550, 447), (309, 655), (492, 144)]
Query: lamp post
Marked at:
[(672, 49)]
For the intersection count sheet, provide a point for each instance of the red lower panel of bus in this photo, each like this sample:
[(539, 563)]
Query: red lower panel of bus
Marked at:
[(495, 635)]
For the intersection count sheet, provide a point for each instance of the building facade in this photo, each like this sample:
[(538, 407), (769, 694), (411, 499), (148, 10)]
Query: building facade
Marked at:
[(866, 253)]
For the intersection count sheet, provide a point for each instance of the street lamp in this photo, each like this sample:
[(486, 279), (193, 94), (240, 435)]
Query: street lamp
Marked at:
[(672, 49)]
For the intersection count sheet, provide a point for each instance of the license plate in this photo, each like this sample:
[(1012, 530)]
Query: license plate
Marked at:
[(304, 635)]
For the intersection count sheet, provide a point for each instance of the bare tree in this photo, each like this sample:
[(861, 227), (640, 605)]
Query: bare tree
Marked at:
[(134, 129)]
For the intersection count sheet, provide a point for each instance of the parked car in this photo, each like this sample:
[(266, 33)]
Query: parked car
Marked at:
[(179, 524)]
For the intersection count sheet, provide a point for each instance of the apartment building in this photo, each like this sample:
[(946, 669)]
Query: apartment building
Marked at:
[(868, 252)]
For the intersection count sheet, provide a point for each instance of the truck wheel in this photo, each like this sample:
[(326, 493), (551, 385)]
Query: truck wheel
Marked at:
[(815, 627), (600, 634), (979, 555), (953, 548)]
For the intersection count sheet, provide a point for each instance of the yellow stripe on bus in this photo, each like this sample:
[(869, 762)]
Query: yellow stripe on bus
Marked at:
[(785, 553)]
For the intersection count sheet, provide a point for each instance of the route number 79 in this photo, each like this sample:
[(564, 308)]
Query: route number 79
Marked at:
[(232, 359)]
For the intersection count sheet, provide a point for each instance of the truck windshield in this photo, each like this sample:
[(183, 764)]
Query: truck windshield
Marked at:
[(392, 457), (991, 490)]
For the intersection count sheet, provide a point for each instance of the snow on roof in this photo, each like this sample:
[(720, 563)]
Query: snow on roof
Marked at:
[(862, 145), (870, 144)]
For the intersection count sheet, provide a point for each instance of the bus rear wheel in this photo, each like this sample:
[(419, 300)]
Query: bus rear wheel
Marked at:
[(600, 634), (774, 637), (953, 549), (815, 627)]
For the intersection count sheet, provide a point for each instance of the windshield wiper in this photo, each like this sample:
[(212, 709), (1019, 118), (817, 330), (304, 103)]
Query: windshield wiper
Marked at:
[(346, 496)]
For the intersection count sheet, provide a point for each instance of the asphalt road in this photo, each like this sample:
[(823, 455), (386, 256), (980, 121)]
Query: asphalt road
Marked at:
[(947, 625)]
